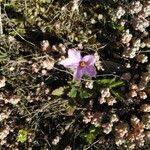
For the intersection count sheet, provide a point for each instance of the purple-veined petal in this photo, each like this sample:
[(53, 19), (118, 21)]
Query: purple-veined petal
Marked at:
[(69, 63), (78, 73), (90, 59), (74, 54), (90, 71)]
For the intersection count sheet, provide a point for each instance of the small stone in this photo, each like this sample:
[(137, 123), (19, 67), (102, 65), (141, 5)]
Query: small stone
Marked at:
[(56, 140), (11, 68), (48, 64), (120, 12), (100, 17), (126, 37), (145, 108), (142, 58), (45, 46), (142, 95), (44, 72), (2, 81), (132, 93), (134, 87), (126, 76)]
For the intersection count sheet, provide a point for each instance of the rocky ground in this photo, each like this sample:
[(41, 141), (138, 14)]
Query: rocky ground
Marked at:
[(42, 107)]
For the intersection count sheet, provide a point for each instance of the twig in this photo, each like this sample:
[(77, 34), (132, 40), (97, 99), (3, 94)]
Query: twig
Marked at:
[(92, 145), (1, 26), (17, 32), (46, 140)]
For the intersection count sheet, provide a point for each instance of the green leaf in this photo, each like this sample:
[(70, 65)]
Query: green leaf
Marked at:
[(90, 137), (117, 95), (91, 134), (105, 81), (73, 92), (83, 94), (120, 28), (110, 82), (22, 136), (116, 84), (117, 27), (58, 92)]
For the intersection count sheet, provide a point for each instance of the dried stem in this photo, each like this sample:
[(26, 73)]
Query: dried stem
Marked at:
[(1, 26)]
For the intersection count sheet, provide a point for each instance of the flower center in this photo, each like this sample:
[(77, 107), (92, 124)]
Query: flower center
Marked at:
[(82, 64)]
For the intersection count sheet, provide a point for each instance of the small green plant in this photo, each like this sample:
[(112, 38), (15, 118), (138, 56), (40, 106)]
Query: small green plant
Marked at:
[(78, 92), (118, 27), (73, 92), (22, 136), (90, 135), (83, 93), (58, 92)]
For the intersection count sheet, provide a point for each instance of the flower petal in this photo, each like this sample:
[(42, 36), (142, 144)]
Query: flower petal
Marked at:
[(90, 59), (78, 73), (74, 54), (90, 71), (69, 63)]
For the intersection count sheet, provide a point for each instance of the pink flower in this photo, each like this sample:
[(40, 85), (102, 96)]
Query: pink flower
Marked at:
[(80, 65)]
